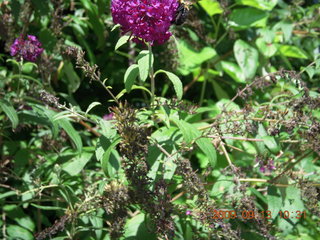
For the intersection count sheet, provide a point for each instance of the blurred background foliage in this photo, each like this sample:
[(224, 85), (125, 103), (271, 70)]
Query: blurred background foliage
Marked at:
[(57, 160)]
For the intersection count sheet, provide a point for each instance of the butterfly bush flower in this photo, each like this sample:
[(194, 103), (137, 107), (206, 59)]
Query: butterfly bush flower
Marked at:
[(28, 49), (266, 166), (148, 20)]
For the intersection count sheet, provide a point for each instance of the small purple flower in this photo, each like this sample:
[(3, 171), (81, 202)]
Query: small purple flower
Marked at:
[(108, 117), (266, 165), (148, 20), (188, 212), (28, 49)]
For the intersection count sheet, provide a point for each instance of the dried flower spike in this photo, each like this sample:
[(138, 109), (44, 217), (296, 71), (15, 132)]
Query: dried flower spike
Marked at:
[(29, 49), (147, 20)]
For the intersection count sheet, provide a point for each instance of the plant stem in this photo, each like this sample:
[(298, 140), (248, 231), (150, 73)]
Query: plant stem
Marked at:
[(203, 89), (151, 73), (19, 79), (290, 167)]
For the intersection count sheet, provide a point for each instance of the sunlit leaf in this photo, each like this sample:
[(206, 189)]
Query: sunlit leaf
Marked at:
[(247, 58), (130, 76)]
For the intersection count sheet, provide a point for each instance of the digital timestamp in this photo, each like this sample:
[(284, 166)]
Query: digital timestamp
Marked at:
[(232, 214)]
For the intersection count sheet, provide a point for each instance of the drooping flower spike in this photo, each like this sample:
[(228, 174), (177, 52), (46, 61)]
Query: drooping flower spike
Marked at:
[(147, 20), (29, 49)]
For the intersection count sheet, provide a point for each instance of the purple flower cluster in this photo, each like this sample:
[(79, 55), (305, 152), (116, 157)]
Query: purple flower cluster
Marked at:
[(28, 49), (266, 166), (148, 20)]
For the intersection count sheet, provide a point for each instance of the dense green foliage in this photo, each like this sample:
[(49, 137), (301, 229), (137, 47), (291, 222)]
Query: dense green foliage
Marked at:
[(212, 135)]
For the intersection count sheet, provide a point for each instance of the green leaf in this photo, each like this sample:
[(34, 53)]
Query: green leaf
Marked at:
[(107, 129), (269, 141), (274, 201), (292, 51), (177, 84), (287, 28), (47, 207), (109, 163), (115, 27), (92, 105), (311, 71), (95, 21), (136, 228), (19, 233), (145, 63), (247, 58), (191, 133), (16, 213), (267, 49), (102, 6), (219, 91), (76, 165), (72, 133), (134, 87), (224, 184), (7, 194), (242, 18), (63, 115), (130, 76), (260, 4), (234, 71), (258, 194), (72, 79), (97, 222), (190, 59), (48, 39), (48, 113), (122, 40), (41, 6), (292, 204), (10, 112), (28, 67), (212, 7)]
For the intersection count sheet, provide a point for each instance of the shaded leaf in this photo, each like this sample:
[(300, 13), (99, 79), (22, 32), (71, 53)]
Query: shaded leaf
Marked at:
[(17, 214), (10, 112), (247, 17), (92, 105), (72, 133), (177, 84), (122, 40)]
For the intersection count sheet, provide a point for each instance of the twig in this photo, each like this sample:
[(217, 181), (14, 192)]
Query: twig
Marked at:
[(90, 129), (237, 138), (39, 189), (289, 167), (177, 196), (4, 225)]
